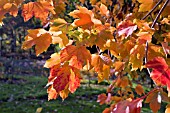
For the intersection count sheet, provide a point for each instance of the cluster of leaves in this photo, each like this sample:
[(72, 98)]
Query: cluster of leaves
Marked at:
[(134, 32)]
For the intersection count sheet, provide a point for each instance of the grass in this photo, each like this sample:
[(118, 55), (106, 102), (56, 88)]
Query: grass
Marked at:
[(24, 94)]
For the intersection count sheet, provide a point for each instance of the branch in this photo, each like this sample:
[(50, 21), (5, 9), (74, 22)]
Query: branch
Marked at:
[(152, 26), (152, 10), (161, 10)]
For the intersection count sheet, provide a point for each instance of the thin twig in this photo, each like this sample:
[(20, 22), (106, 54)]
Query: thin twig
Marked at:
[(161, 10), (152, 10)]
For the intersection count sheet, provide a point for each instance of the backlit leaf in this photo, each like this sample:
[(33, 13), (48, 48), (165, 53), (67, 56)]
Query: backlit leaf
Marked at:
[(38, 37), (38, 9), (126, 28), (145, 5), (54, 60), (77, 55), (160, 73), (86, 18), (128, 106)]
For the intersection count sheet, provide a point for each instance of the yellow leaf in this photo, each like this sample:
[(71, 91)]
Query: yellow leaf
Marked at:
[(39, 110), (105, 74), (54, 60), (146, 5)]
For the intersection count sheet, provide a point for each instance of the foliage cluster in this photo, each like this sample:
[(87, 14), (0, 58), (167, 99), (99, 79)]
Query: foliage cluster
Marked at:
[(129, 36)]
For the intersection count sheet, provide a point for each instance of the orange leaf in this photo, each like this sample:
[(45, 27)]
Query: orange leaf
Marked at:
[(102, 98), (74, 82), (52, 94), (54, 60), (167, 109), (104, 10), (139, 90), (38, 9), (86, 18), (38, 37), (152, 99), (77, 55), (9, 6)]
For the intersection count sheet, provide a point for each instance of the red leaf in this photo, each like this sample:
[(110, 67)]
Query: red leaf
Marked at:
[(63, 79), (128, 106), (161, 72), (126, 28)]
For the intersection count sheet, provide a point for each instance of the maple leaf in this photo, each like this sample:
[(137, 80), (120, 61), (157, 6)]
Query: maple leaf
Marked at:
[(128, 106), (64, 79), (77, 55), (52, 94), (126, 28), (9, 6), (54, 60), (103, 10), (38, 37), (86, 18), (38, 9), (146, 5), (160, 73), (136, 57)]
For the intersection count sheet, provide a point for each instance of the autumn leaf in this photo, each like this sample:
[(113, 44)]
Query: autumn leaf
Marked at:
[(102, 98), (64, 79), (74, 82), (139, 90), (52, 94), (38, 37), (167, 109), (152, 99), (54, 60), (38, 9), (77, 55), (104, 10), (145, 5), (128, 106), (137, 54), (10, 7), (86, 18), (160, 73), (126, 28)]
